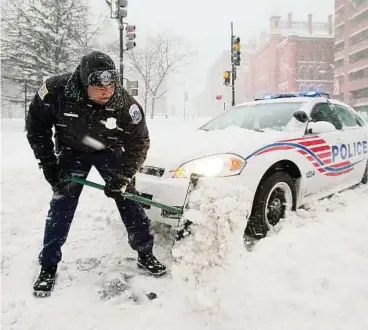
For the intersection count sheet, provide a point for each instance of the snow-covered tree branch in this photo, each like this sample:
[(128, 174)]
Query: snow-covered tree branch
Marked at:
[(42, 38)]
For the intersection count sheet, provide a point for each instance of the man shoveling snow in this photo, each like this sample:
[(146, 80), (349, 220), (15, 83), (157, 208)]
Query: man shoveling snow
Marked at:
[(97, 123)]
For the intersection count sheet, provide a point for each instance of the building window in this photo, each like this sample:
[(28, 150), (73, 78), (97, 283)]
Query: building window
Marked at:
[(312, 87), (301, 55), (339, 15), (361, 17), (303, 73), (321, 88), (360, 74), (359, 94), (318, 55), (339, 46), (311, 73), (341, 79), (340, 8), (311, 56), (283, 75), (339, 31), (361, 55), (363, 35), (355, 3), (319, 73), (339, 63)]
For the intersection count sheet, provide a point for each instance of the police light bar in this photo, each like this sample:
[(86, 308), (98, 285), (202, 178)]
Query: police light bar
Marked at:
[(297, 94)]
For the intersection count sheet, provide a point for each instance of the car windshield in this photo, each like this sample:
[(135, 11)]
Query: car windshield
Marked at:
[(258, 117)]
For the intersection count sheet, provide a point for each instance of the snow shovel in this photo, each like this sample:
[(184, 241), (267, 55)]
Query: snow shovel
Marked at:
[(133, 197)]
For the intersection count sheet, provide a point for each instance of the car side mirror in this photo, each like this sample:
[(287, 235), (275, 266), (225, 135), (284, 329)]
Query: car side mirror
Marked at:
[(321, 127), (301, 116)]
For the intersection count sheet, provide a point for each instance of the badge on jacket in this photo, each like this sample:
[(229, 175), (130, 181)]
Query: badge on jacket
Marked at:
[(43, 91), (135, 113), (110, 123)]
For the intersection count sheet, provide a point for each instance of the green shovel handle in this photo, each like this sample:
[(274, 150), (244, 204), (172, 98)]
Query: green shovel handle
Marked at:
[(132, 197)]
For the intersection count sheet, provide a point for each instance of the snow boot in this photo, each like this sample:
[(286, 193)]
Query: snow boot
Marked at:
[(45, 281), (148, 262)]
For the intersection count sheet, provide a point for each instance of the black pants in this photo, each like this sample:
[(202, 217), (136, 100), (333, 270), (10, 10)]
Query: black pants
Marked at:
[(64, 204)]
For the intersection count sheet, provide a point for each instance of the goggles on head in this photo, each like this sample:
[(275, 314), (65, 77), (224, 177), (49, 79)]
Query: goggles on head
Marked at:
[(103, 78)]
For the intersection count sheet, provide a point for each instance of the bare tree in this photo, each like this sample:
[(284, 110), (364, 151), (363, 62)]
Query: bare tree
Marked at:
[(142, 63), (155, 64)]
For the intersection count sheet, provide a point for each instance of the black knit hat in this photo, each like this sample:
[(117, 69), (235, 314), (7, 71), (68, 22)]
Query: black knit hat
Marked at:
[(97, 69)]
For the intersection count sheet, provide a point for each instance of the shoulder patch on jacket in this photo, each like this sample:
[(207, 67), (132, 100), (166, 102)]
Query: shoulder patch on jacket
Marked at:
[(135, 113), (43, 91)]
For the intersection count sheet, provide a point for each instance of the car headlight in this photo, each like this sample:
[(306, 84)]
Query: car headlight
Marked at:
[(219, 165)]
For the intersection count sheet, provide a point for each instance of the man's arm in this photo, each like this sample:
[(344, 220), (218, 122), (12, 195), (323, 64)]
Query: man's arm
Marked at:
[(39, 123), (136, 140)]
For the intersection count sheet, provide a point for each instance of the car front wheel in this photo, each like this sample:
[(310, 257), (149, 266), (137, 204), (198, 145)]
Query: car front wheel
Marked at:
[(275, 196)]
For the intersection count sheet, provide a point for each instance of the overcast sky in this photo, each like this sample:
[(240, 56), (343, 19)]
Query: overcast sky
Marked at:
[(205, 25)]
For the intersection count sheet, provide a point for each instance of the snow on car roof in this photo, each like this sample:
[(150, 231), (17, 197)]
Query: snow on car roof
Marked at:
[(311, 100)]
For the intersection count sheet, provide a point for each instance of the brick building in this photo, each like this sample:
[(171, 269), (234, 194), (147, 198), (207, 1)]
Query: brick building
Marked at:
[(293, 56), (351, 53)]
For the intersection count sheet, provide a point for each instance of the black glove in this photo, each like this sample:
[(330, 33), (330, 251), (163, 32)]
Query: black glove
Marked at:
[(115, 187), (51, 171)]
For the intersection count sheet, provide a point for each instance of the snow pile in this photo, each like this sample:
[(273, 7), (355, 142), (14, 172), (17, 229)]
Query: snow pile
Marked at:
[(303, 275), (218, 214)]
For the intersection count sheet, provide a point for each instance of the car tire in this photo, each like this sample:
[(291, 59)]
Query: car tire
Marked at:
[(275, 196), (365, 176)]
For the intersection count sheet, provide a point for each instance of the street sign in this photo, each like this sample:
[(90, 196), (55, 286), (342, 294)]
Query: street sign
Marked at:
[(132, 84)]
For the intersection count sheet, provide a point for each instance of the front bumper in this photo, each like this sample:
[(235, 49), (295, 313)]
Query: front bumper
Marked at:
[(165, 190)]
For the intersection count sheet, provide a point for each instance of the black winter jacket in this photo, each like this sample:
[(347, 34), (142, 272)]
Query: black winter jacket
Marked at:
[(85, 126)]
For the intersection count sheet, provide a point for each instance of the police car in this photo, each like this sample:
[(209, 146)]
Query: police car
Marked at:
[(295, 148)]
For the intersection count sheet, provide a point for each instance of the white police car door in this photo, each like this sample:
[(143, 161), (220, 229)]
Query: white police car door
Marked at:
[(353, 149), (322, 174)]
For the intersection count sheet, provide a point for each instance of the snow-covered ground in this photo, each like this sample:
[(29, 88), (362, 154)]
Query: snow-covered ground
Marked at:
[(310, 273)]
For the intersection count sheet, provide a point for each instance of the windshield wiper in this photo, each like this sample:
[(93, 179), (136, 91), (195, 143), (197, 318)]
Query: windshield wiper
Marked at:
[(258, 130)]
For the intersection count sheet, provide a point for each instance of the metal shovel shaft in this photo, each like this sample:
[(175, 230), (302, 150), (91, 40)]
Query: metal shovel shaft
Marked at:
[(132, 197)]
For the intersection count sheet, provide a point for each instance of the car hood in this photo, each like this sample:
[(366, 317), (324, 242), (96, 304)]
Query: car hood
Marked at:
[(173, 152)]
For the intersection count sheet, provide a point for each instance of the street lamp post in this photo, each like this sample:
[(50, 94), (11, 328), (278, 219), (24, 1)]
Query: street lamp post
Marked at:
[(25, 77), (185, 100), (25, 103)]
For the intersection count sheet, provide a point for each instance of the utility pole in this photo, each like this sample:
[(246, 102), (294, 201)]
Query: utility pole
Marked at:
[(119, 12), (185, 100), (121, 46), (235, 61), (232, 67)]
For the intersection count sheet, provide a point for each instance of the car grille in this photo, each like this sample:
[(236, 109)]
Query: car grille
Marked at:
[(152, 170)]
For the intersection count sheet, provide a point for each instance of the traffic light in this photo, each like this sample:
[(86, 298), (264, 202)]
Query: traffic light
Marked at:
[(118, 9), (236, 51), (132, 87), (227, 78), (130, 35)]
